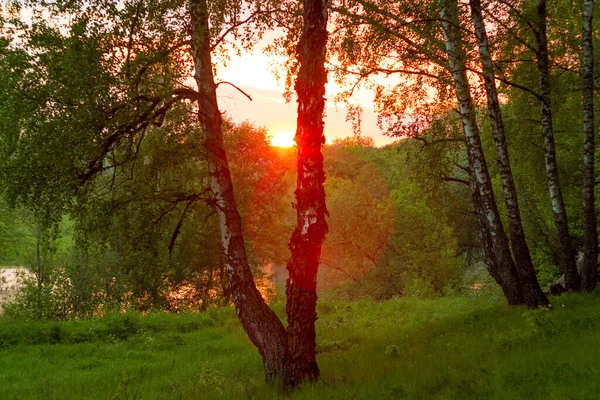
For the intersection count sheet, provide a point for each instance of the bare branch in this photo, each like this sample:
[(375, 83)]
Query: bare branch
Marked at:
[(427, 142), (240, 90), (186, 93), (232, 28), (466, 169), (452, 179)]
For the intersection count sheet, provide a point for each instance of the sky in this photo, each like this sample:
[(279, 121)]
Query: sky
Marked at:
[(252, 72)]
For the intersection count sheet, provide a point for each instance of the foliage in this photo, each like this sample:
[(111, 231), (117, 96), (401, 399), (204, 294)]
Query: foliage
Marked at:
[(97, 145), (414, 225), (146, 238), (356, 196), (15, 236)]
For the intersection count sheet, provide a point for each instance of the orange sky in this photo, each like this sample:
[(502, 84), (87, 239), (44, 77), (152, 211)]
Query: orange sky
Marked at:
[(252, 73)]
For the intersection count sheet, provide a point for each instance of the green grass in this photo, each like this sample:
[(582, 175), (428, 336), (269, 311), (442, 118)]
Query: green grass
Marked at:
[(452, 348)]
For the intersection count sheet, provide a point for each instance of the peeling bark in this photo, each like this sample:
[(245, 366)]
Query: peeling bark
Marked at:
[(563, 238), (477, 163), (305, 244), (260, 323), (532, 293), (589, 273)]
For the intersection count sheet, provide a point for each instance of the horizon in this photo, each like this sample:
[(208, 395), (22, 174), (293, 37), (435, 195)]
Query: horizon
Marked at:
[(253, 73)]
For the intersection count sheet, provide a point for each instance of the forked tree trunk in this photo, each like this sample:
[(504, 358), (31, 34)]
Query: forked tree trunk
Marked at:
[(532, 293), (507, 279), (477, 163), (287, 355), (589, 273), (311, 228), (563, 238), (260, 323)]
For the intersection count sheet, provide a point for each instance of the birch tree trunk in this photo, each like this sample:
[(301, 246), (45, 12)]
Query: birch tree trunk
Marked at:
[(532, 293), (563, 238), (589, 273), (260, 323), (311, 228), (507, 279), (477, 163)]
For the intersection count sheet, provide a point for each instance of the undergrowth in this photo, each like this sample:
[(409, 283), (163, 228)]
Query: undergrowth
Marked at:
[(448, 348)]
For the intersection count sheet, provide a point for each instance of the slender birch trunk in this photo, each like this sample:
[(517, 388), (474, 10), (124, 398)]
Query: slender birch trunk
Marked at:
[(477, 163), (532, 293), (260, 323), (563, 238), (311, 228), (589, 273)]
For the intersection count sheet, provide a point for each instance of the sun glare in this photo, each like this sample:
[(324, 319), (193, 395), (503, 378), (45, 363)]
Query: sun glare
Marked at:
[(283, 139)]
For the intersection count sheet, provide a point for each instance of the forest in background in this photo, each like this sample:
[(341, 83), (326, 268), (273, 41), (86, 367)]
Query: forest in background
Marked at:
[(417, 238)]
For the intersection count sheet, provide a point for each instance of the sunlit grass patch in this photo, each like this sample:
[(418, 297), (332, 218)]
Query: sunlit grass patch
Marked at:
[(449, 348)]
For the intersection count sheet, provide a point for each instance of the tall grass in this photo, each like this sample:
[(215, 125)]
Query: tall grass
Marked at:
[(451, 348)]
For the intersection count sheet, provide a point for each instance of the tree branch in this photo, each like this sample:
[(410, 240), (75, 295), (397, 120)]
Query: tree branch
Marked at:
[(232, 28), (452, 179), (436, 141), (231, 84)]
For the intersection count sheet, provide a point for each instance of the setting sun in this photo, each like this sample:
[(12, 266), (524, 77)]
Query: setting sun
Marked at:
[(283, 139)]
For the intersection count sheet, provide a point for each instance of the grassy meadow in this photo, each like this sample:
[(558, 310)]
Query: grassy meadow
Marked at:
[(451, 348)]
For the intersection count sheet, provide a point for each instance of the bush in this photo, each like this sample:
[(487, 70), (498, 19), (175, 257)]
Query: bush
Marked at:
[(121, 326), (542, 320), (109, 328)]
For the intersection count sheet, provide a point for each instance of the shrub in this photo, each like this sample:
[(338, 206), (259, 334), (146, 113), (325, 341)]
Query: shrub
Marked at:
[(121, 326)]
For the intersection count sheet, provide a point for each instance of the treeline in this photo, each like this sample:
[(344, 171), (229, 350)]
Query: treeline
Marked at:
[(148, 238)]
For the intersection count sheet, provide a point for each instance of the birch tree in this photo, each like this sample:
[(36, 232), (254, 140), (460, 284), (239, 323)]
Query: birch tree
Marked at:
[(563, 237), (448, 12), (532, 293), (139, 56), (287, 354), (311, 228), (261, 324), (589, 273), (416, 52)]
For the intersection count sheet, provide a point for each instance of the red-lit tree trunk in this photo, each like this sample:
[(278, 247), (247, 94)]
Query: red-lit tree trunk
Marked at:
[(288, 355), (532, 293), (311, 228), (563, 238), (457, 63), (589, 273), (260, 323)]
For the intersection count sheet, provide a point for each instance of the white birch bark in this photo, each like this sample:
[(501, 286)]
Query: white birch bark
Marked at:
[(563, 237), (532, 293), (589, 274), (261, 324), (457, 64)]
